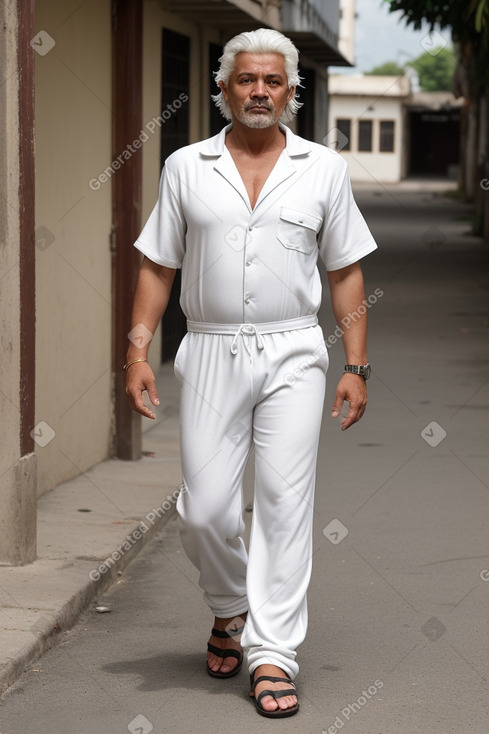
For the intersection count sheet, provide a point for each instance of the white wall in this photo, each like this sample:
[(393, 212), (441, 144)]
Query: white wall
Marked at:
[(373, 166), (73, 280)]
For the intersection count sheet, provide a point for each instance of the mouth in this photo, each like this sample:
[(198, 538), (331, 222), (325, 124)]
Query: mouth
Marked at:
[(259, 107)]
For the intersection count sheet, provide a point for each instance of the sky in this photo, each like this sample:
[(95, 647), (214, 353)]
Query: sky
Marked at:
[(381, 36)]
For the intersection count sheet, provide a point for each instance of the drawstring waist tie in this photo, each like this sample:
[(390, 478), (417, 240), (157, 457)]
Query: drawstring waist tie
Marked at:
[(256, 330)]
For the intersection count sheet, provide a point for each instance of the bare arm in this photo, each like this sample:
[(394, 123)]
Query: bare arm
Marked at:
[(150, 301), (347, 294)]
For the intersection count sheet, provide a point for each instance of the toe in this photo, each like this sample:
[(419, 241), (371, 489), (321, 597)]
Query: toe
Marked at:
[(214, 662), (221, 665), (287, 702), (226, 667), (269, 703)]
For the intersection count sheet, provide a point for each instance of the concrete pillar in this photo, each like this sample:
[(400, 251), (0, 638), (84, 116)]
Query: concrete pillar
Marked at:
[(17, 312)]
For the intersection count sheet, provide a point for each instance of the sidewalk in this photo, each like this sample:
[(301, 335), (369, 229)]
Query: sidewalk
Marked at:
[(417, 185), (111, 511), (399, 595)]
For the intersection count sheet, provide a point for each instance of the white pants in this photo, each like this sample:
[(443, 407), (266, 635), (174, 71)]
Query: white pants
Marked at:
[(265, 388)]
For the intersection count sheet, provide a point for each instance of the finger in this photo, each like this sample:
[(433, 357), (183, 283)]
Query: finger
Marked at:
[(349, 420), (354, 414), (337, 405), (153, 393), (135, 396), (140, 407)]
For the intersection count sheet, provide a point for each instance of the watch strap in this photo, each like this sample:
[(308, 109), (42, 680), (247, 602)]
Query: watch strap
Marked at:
[(359, 369)]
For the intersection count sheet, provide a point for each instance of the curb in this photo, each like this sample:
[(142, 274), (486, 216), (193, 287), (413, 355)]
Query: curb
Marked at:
[(47, 635)]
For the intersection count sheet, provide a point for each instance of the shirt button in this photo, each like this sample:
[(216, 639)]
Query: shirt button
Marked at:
[(250, 229), (247, 299), (248, 263)]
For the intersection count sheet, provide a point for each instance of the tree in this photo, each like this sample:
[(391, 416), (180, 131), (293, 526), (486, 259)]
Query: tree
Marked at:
[(388, 68), (468, 21), (435, 69), (466, 18)]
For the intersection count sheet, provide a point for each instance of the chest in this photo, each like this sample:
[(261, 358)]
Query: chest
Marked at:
[(254, 173)]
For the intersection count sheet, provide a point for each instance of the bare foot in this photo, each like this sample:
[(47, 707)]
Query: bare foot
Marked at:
[(268, 702), (225, 665)]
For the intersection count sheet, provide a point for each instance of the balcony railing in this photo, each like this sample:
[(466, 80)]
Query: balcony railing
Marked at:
[(314, 25)]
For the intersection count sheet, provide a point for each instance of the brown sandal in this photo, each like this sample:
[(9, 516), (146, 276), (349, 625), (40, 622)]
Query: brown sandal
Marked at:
[(225, 653), (278, 713)]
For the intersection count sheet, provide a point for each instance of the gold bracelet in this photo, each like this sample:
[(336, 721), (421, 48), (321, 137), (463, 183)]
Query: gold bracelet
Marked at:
[(133, 362)]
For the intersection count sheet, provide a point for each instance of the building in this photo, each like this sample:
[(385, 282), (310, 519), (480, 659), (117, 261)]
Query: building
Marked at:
[(367, 124), (118, 85), (433, 122), (387, 130)]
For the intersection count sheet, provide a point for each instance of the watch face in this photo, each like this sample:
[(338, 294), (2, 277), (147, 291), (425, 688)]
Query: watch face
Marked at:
[(366, 370)]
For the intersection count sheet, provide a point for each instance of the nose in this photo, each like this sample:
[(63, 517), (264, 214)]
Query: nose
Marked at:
[(259, 89)]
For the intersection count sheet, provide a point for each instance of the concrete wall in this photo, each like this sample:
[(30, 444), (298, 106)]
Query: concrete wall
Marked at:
[(316, 16), (346, 41), (74, 319), (17, 474), (9, 242), (364, 166)]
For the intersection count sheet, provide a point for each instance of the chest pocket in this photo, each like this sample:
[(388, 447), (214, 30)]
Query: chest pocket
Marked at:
[(297, 230)]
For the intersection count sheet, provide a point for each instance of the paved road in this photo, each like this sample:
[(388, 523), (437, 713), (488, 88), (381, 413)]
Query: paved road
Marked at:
[(398, 636)]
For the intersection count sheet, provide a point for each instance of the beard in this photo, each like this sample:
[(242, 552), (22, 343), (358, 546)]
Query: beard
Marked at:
[(260, 120)]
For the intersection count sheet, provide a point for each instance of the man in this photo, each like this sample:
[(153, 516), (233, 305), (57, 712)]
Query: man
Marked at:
[(245, 215)]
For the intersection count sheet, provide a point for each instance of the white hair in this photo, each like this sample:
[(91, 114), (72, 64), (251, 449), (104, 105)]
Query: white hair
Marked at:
[(262, 41)]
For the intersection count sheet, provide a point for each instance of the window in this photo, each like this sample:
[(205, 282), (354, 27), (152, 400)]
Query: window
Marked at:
[(306, 115), (216, 120), (343, 134), (175, 86), (175, 128), (386, 143), (365, 135)]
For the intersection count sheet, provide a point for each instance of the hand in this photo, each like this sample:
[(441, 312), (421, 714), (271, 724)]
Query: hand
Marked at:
[(353, 389), (140, 377)]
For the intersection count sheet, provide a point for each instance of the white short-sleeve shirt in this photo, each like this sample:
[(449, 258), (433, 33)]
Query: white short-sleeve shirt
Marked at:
[(244, 265)]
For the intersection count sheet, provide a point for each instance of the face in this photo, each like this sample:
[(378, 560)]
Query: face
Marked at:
[(257, 92)]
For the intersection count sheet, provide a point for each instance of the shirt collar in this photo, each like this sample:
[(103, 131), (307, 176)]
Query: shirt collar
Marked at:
[(294, 145)]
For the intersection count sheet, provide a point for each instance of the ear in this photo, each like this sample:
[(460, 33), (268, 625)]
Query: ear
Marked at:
[(291, 93), (224, 90)]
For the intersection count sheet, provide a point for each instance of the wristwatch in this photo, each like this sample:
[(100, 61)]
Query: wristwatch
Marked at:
[(363, 370)]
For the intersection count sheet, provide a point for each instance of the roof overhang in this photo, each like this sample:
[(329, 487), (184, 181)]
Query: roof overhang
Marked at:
[(316, 41), (433, 101), (316, 48), (225, 15)]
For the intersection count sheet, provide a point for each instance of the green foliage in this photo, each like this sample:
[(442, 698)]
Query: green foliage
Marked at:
[(468, 19), (442, 13), (435, 69), (480, 10), (388, 68)]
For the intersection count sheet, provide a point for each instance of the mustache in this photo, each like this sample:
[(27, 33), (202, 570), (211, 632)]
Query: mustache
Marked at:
[(262, 105)]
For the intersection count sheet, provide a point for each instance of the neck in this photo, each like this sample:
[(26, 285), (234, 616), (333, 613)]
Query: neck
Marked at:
[(255, 142)]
